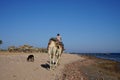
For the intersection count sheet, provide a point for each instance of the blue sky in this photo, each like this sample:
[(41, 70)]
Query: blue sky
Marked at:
[(85, 25)]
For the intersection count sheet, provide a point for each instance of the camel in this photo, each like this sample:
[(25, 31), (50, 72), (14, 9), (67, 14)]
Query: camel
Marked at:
[(55, 50)]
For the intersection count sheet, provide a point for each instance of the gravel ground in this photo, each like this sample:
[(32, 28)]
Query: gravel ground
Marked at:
[(91, 69)]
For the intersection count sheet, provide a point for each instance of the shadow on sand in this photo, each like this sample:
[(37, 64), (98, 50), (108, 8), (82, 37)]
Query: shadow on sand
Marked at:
[(46, 66)]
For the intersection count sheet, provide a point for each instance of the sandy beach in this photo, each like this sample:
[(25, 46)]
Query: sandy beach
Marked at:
[(13, 66)]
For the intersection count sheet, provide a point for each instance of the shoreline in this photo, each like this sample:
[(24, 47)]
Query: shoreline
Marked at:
[(91, 68), (106, 56)]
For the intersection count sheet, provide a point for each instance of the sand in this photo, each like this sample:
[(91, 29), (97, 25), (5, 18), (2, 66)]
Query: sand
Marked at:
[(13, 66), (91, 68)]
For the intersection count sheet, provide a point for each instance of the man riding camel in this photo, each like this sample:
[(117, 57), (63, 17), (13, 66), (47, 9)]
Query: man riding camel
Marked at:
[(59, 40)]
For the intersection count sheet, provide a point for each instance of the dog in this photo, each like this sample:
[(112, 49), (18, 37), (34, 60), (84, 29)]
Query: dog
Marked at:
[(30, 58)]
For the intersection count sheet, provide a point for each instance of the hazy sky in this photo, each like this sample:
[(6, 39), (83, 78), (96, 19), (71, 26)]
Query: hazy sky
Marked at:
[(85, 25)]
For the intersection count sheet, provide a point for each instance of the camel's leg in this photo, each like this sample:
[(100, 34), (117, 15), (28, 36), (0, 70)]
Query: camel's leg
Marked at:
[(54, 57), (50, 61), (57, 61), (50, 56), (58, 57)]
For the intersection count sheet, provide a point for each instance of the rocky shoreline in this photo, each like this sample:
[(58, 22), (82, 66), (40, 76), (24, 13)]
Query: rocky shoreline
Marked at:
[(91, 68)]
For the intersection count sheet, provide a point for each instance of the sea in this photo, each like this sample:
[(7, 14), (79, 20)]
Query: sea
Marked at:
[(108, 56)]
